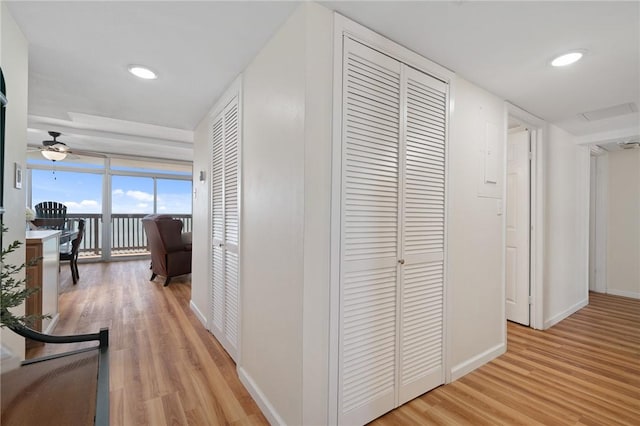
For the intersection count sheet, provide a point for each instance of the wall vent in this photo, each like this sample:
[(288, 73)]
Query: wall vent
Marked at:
[(614, 111)]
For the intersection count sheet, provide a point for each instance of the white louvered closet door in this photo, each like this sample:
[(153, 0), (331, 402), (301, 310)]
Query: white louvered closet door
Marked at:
[(392, 234), (225, 225), (422, 281), (369, 252)]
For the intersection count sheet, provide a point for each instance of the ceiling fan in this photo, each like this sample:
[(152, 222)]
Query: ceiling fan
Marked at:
[(53, 149)]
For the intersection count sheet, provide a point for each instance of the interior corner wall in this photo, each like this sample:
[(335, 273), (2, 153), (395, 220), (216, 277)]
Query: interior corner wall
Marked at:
[(272, 223), (477, 321), (566, 280), (201, 236), (623, 228), (14, 59)]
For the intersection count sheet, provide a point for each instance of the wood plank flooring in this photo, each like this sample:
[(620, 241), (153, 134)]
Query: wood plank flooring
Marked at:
[(167, 369), (583, 371)]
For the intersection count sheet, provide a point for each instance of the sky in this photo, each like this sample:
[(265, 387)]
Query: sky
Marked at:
[(82, 192)]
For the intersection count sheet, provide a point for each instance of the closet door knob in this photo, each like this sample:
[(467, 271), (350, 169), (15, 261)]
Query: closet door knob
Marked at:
[(401, 261)]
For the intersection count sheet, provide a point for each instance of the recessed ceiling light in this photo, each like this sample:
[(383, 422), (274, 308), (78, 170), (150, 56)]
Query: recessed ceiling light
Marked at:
[(142, 72), (567, 59)]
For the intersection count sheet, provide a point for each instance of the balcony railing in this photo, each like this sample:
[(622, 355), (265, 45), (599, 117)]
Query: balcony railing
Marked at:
[(127, 233)]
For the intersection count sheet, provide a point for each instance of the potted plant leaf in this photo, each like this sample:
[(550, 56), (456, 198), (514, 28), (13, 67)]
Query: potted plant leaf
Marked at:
[(13, 291)]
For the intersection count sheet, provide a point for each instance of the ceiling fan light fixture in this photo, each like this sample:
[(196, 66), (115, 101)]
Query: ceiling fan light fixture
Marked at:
[(567, 58), (142, 72), (54, 155)]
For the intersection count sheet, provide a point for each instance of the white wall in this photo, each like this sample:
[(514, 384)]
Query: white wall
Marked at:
[(566, 280), (272, 243), (317, 214), (623, 236), (475, 230), (201, 241), (285, 223), (15, 66)]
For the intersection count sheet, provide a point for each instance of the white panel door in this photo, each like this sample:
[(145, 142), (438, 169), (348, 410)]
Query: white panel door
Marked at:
[(518, 227), (225, 226), (422, 273), (593, 195), (369, 243)]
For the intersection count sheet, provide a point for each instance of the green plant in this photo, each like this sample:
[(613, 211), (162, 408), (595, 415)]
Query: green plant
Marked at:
[(13, 291)]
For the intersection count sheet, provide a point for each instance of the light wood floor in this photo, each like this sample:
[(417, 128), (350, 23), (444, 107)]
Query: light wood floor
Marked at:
[(583, 371), (167, 369)]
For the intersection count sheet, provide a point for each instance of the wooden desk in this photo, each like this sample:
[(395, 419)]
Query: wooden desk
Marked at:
[(44, 275)]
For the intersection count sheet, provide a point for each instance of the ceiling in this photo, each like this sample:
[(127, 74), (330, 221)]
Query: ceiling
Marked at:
[(79, 53)]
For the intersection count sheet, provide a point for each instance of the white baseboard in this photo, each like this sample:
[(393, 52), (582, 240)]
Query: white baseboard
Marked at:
[(199, 315), (562, 315), (479, 360), (52, 324), (624, 293), (265, 406)]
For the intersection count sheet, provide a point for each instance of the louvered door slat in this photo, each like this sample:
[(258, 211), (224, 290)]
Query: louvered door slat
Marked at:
[(421, 328), (217, 293), (225, 224), (217, 222), (231, 174), (371, 129), (231, 299), (216, 180)]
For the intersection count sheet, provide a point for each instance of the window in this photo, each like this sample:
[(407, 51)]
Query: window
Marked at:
[(174, 196), (80, 192), (131, 194), (138, 187)]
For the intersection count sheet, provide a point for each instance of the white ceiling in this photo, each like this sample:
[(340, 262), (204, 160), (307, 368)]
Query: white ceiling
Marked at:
[(79, 52)]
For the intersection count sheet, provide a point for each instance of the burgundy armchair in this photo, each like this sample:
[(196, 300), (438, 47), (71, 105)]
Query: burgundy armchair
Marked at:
[(170, 255)]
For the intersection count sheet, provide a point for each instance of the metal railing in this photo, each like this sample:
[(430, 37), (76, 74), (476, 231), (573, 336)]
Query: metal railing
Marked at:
[(127, 235)]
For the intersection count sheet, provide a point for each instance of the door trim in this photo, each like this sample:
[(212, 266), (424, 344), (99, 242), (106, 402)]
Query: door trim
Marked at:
[(538, 129)]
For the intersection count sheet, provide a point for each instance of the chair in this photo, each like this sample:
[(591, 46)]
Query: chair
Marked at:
[(70, 253), (50, 215), (170, 255)]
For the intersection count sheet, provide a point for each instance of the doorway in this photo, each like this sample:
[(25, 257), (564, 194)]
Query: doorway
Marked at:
[(598, 199), (518, 224)]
